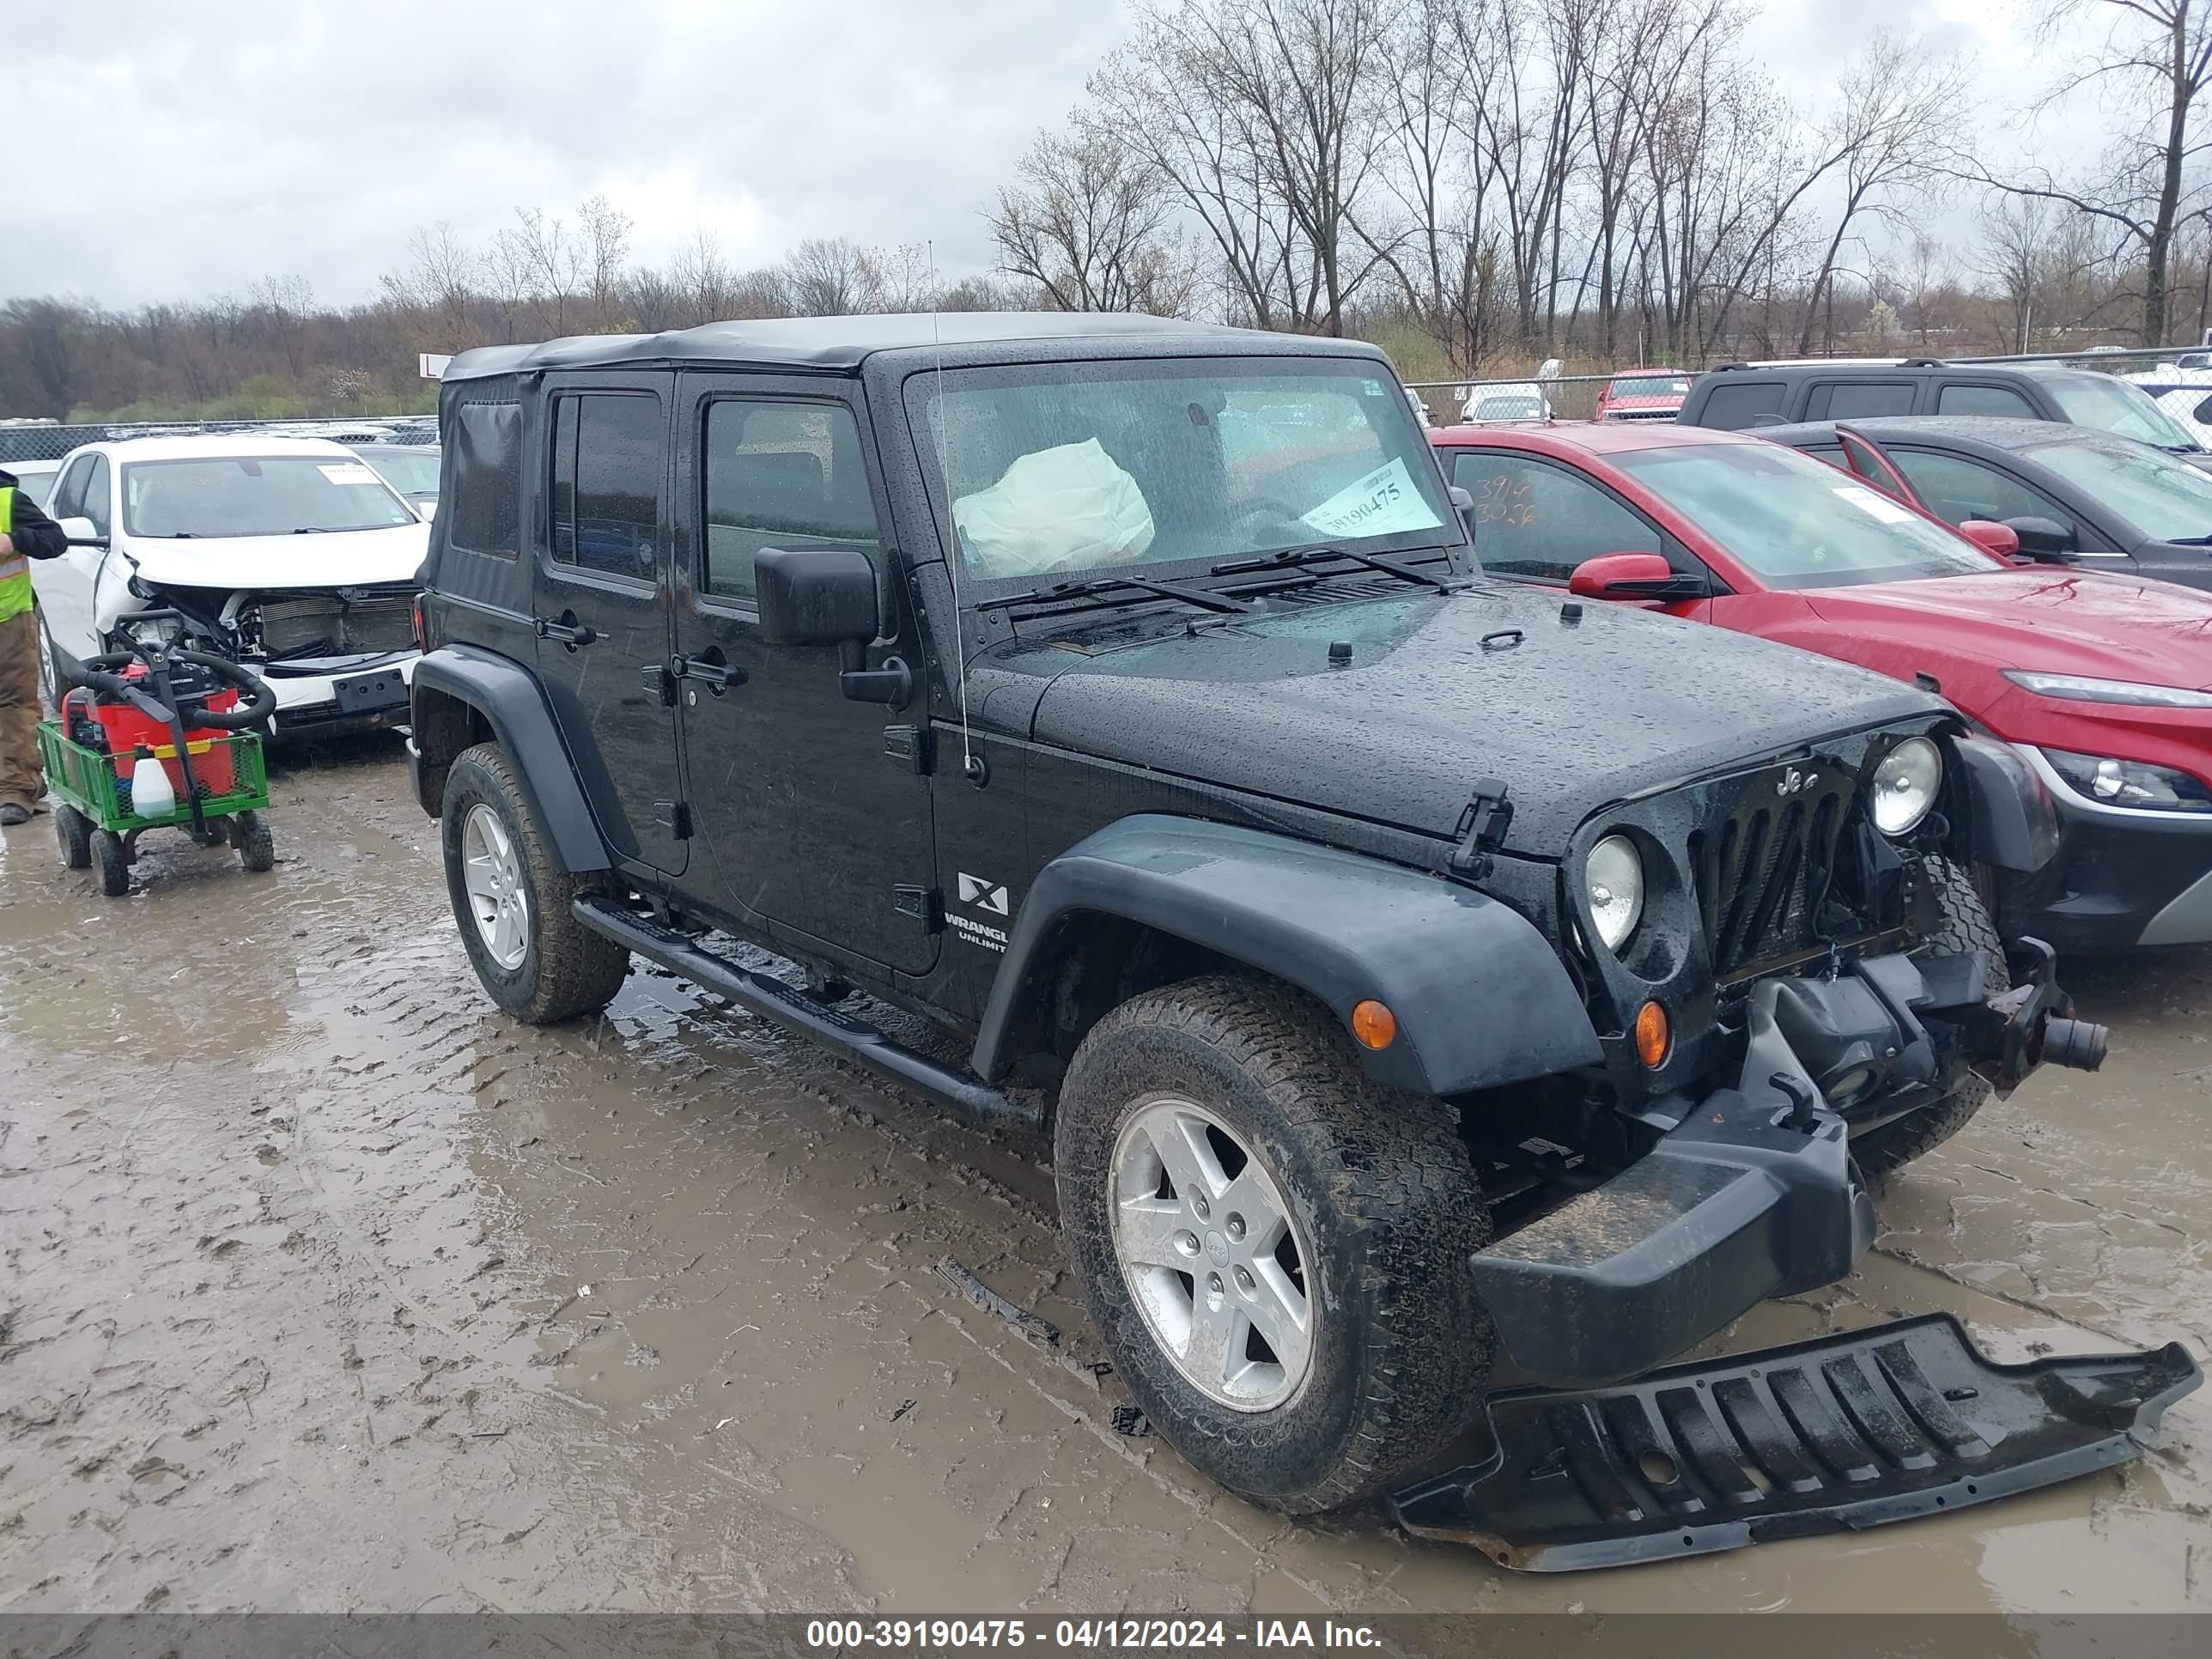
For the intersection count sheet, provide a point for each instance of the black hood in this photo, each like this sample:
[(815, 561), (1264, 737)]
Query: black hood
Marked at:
[(1439, 694)]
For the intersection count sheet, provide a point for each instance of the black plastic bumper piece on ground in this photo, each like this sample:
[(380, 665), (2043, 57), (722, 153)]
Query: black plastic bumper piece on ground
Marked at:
[(1842, 1433), (789, 1007)]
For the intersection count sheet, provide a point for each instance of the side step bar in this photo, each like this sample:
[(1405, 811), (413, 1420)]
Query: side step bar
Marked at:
[(951, 1087), (1842, 1432)]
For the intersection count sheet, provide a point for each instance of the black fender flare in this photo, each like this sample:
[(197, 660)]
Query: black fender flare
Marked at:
[(513, 704), (1481, 998), (2015, 822)]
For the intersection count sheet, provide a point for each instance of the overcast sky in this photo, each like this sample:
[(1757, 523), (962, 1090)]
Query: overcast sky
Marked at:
[(168, 151)]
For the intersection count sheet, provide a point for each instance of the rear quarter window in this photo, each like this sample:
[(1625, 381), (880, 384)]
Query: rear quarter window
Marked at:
[(1983, 400), (1740, 404), (484, 451)]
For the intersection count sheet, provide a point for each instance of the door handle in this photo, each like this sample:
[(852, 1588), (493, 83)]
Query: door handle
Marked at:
[(566, 628), (716, 676)]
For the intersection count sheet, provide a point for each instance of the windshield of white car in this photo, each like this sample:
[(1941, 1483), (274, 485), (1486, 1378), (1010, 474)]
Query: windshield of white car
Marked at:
[(2165, 500), (1080, 469), (1795, 522), (2113, 405), (1660, 385), (257, 496), (410, 471)]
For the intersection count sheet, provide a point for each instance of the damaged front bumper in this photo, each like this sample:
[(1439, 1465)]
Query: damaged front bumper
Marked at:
[(1751, 1192), (1846, 1431)]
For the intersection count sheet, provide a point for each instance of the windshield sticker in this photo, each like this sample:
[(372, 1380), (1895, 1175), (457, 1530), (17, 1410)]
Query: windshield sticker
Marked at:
[(1383, 503), (347, 472), (1874, 505)]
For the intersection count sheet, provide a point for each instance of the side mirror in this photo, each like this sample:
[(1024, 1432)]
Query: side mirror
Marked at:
[(2042, 539), (815, 596), (82, 532), (1462, 503), (2001, 539), (1632, 576), (827, 596)]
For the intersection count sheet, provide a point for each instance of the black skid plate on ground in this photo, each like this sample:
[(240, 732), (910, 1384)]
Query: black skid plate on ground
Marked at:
[(1844, 1433)]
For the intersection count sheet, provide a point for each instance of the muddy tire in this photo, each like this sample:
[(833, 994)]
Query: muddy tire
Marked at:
[(257, 847), (1967, 927), (1379, 1200), (74, 831), (113, 858), (511, 900)]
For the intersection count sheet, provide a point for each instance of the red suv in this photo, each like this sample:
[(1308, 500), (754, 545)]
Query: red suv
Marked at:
[(1643, 394), (2102, 682)]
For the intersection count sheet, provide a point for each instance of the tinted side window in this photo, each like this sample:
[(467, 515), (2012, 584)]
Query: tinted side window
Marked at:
[(608, 449), (779, 475), (1535, 519), (1852, 400), (96, 492), (1832, 453), (484, 450), (1734, 404), (1983, 400), (1956, 489)]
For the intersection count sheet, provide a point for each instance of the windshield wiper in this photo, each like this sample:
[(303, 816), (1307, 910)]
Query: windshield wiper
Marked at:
[(1198, 596), (1304, 555)]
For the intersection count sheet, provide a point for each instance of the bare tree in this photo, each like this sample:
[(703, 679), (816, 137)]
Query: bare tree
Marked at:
[(1091, 222), (46, 333), (284, 303), (603, 247), (828, 277), (2154, 61), (699, 274), (900, 278), (549, 263), (1890, 137)]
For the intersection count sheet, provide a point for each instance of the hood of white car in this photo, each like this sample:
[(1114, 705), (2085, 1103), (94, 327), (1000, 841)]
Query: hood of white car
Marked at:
[(337, 558)]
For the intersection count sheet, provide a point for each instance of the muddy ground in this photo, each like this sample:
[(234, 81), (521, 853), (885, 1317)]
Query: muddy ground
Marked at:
[(324, 1287)]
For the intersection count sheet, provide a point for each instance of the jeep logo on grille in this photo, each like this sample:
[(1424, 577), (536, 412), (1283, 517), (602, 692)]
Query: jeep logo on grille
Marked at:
[(1793, 782)]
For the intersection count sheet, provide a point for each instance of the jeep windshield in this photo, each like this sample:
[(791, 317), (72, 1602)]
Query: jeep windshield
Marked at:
[(1085, 469), (257, 496), (1795, 522)]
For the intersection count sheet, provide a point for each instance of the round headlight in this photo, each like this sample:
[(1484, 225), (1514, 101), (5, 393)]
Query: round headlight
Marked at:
[(1904, 785), (1615, 878)]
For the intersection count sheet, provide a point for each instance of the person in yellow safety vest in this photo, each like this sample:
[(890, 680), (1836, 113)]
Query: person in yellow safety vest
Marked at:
[(25, 534)]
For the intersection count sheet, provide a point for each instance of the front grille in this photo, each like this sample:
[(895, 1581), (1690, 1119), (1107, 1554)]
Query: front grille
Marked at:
[(1762, 866), (349, 622), (1642, 414)]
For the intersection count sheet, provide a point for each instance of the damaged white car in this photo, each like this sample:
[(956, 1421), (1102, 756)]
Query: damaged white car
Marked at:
[(289, 555)]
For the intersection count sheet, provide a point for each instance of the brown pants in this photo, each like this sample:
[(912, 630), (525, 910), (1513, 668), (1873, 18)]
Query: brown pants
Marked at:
[(21, 781)]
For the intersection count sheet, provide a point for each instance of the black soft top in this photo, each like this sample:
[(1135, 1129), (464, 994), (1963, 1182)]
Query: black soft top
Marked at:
[(844, 343)]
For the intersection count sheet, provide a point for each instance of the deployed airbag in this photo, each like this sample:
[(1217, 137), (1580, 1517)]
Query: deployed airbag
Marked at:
[(1068, 508)]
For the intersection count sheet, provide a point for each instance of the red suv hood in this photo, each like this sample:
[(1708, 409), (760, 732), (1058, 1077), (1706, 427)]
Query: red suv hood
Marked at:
[(2061, 622)]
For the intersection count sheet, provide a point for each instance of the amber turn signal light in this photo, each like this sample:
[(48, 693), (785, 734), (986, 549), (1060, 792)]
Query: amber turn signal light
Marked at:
[(1375, 1025), (1653, 1035)]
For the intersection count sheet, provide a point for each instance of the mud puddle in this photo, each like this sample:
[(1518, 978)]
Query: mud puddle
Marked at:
[(324, 1287)]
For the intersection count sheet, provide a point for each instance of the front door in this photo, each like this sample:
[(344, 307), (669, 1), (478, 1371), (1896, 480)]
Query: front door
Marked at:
[(805, 816), (606, 569)]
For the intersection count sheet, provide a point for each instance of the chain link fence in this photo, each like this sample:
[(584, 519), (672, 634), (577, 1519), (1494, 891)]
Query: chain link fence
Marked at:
[(48, 440)]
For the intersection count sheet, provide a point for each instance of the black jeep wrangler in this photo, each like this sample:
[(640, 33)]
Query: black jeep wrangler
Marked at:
[(1406, 967)]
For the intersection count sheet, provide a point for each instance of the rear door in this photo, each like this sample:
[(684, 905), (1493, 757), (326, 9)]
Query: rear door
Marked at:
[(605, 566), (811, 811)]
